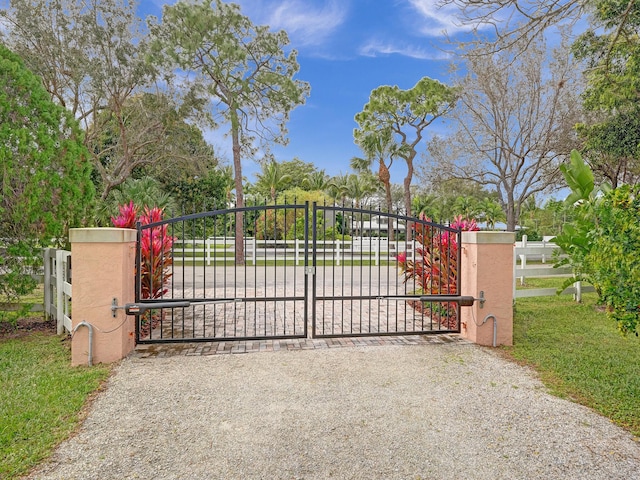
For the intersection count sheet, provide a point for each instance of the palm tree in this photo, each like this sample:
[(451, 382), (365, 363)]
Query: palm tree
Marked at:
[(379, 146), (359, 187), (317, 180), (466, 206), (337, 187), (491, 213), (272, 179), (426, 204), (144, 192)]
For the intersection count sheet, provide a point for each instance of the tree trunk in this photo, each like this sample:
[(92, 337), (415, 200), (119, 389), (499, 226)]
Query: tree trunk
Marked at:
[(385, 178), (237, 167), (407, 192), (511, 217)]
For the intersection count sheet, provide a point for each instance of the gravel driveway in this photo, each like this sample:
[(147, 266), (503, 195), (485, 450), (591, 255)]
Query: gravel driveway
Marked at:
[(449, 411)]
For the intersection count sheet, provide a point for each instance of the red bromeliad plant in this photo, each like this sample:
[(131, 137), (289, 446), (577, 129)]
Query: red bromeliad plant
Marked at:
[(435, 268), (155, 249)]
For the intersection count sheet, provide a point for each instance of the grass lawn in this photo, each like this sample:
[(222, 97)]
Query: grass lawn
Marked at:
[(580, 355), (41, 400)]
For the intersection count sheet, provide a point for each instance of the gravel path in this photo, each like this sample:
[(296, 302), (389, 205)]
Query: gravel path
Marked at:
[(452, 411)]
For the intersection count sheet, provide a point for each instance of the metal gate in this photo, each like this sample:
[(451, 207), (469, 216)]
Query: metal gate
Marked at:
[(297, 271)]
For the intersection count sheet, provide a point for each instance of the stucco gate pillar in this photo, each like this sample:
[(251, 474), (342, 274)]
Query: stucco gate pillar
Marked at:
[(103, 268), (487, 266)]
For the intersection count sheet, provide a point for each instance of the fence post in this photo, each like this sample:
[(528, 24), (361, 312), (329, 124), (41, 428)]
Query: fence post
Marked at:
[(103, 269), (254, 251), (376, 252), (60, 301), (487, 266), (578, 295), (523, 258), (48, 293)]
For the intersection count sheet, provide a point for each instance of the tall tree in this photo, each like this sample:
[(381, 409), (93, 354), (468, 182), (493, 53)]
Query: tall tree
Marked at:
[(154, 135), (91, 56), (241, 68), (46, 185), (514, 124), (406, 113)]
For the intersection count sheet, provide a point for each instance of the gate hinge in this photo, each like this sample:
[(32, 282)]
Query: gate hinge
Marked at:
[(309, 270)]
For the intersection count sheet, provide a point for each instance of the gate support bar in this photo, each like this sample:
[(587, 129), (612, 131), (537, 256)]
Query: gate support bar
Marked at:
[(463, 300), (140, 308)]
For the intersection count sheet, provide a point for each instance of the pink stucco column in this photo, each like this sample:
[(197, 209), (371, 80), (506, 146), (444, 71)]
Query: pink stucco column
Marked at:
[(487, 265), (103, 268)]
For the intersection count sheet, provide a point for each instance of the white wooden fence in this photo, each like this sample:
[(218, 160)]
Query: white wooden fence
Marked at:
[(542, 254), (221, 249), (531, 259), (57, 287)]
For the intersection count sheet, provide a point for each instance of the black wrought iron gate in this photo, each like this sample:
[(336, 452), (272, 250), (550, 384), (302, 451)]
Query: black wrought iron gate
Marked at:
[(297, 271)]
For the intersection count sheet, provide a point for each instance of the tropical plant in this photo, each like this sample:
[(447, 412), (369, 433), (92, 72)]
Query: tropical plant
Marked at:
[(491, 213), (381, 147), (155, 248), (576, 238), (435, 266), (337, 188), (426, 204), (280, 223), (143, 192), (317, 180), (272, 179), (466, 207)]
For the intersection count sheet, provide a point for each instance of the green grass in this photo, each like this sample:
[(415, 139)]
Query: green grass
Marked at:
[(41, 399), (540, 282), (580, 355)]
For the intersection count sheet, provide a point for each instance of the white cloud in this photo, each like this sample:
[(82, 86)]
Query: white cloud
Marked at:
[(439, 19), (376, 48), (305, 22)]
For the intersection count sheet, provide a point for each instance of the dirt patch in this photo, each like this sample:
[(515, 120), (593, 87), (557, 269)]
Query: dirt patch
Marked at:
[(26, 326)]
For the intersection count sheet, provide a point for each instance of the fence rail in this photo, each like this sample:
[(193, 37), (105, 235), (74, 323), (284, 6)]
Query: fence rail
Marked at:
[(541, 253), (222, 249)]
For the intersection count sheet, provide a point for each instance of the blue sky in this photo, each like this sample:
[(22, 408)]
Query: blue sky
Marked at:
[(346, 48)]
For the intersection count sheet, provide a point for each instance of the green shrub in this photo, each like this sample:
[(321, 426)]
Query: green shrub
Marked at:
[(602, 243)]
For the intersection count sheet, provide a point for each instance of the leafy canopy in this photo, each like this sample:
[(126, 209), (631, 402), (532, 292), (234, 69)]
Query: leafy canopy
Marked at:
[(46, 185), (406, 113)]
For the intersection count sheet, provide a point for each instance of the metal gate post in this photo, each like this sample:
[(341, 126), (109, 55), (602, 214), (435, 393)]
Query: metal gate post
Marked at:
[(487, 265)]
